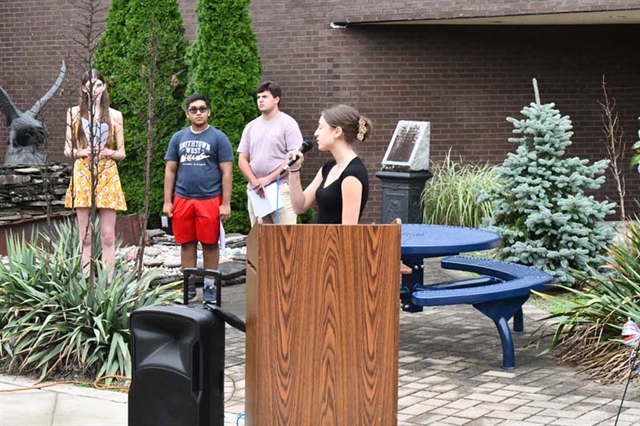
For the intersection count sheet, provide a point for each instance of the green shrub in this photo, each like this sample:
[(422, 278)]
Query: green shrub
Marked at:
[(541, 209), (307, 217), (54, 323), (224, 65), (142, 54), (635, 160), (450, 196), (587, 326)]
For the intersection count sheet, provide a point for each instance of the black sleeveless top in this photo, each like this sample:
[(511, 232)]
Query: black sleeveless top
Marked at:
[(329, 199)]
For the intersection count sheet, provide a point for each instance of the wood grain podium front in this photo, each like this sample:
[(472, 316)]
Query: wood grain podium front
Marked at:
[(322, 325)]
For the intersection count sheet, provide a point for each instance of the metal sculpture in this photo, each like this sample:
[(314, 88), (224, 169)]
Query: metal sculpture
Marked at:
[(26, 131)]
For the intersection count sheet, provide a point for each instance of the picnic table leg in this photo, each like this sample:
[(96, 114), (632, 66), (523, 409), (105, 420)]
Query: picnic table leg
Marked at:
[(500, 312), (508, 351), (518, 321), (409, 282)]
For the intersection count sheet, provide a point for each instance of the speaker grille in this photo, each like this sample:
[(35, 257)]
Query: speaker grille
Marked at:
[(178, 367)]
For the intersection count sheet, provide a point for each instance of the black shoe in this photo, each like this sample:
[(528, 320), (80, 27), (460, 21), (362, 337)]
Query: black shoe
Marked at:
[(191, 290)]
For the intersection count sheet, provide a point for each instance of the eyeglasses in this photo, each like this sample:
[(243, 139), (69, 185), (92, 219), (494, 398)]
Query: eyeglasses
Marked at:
[(200, 110)]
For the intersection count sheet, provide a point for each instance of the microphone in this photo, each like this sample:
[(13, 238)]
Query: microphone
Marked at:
[(305, 147)]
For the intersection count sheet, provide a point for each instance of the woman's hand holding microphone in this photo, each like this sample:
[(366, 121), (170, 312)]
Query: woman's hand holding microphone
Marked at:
[(298, 159)]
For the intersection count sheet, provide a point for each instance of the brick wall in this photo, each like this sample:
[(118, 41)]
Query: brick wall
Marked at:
[(463, 79), (35, 36)]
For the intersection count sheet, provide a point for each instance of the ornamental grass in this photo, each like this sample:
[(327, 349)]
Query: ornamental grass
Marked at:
[(450, 197), (586, 328), (54, 324)]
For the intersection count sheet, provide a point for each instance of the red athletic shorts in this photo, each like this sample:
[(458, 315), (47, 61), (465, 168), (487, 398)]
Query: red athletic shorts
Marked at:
[(196, 220)]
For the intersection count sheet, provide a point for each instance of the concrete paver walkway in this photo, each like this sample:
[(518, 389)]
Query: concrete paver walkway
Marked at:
[(450, 374)]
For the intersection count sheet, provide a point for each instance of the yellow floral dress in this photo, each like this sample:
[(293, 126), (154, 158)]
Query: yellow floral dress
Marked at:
[(108, 191)]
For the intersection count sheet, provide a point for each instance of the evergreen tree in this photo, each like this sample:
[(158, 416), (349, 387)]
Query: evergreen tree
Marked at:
[(143, 54), (225, 66), (635, 160), (541, 210)]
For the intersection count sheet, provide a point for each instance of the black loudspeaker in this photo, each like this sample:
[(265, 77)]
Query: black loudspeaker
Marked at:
[(178, 367)]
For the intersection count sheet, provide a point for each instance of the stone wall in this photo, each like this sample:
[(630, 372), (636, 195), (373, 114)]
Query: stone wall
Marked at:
[(33, 192)]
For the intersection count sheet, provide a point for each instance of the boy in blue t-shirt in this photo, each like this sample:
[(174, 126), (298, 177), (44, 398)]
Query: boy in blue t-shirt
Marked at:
[(197, 187)]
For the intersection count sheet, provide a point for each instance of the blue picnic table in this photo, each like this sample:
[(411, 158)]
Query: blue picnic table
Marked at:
[(499, 292), (422, 241)]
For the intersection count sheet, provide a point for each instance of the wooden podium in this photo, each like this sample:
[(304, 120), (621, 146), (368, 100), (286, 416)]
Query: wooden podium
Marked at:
[(322, 325)]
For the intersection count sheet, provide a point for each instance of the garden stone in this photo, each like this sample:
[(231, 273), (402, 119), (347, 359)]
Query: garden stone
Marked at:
[(166, 279), (152, 251), (232, 269), (233, 281), (152, 233), (164, 255), (235, 240), (152, 261), (172, 262)]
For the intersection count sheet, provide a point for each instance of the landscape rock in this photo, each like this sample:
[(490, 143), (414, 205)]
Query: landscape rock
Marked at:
[(163, 254), (172, 262), (152, 261)]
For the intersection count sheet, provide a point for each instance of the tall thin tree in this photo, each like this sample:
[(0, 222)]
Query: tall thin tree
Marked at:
[(615, 144), (144, 53), (225, 66), (88, 28)]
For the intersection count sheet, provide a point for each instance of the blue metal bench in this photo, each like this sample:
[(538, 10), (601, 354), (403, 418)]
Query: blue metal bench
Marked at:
[(499, 294)]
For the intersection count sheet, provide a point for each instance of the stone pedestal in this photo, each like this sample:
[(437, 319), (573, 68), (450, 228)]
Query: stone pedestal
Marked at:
[(401, 195)]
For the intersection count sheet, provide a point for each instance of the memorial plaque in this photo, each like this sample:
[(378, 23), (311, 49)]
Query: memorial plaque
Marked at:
[(409, 146)]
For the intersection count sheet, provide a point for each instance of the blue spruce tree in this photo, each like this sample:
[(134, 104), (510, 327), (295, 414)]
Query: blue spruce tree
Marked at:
[(540, 209)]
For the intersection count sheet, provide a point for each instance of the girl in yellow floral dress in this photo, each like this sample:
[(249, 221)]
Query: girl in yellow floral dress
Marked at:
[(95, 140)]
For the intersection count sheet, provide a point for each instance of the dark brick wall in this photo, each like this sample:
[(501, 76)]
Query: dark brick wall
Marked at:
[(35, 36), (464, 80)]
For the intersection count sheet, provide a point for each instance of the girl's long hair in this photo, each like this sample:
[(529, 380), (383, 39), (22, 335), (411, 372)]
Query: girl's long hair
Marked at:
[(85, 109)]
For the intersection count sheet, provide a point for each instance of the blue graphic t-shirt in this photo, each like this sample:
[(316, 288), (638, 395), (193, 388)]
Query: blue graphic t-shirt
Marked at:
[(198, 156)]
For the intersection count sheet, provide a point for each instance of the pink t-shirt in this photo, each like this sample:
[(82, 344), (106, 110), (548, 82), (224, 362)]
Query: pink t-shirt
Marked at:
[(267, 142)]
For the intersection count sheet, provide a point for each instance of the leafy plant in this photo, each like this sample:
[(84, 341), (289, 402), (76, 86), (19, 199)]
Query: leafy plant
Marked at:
[(635, 160), (450, 197), (588, 324), (54, 323)]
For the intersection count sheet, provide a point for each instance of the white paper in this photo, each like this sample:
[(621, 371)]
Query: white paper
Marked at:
[(266, 205), (221, 239)]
